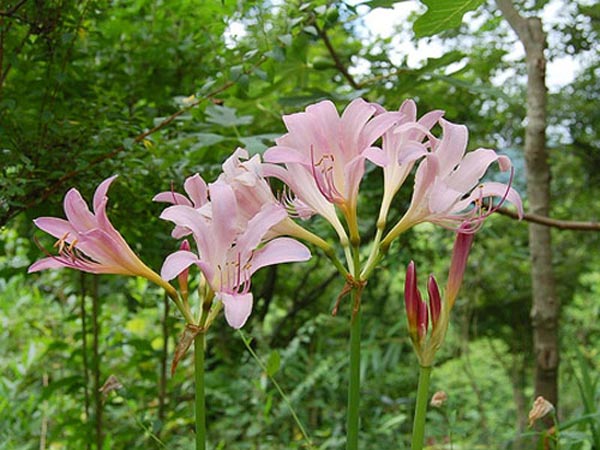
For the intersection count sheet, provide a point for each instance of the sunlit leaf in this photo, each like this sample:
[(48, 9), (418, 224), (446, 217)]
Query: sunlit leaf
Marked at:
[(442, 15)]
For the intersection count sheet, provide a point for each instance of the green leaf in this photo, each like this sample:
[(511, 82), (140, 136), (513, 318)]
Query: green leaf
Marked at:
[(382, 3), (442, 15), (226, 116), (273, 363)]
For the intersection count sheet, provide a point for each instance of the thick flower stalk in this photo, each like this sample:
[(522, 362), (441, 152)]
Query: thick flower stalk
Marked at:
[(87, 241), (227, 255), (428, 321)]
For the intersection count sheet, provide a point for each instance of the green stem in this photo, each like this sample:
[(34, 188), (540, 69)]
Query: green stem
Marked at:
[(352, 418), (374, 255), (199, 403), (418, 436)]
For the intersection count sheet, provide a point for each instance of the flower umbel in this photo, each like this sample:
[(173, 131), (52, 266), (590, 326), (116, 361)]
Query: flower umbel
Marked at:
[(88, 241), (229, 256), (324, 154)]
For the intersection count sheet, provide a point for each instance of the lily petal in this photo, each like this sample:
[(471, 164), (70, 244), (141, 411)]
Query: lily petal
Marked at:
[(196, 188), (77, 211), (176, 263), (258, 226), (174, 198), (56, 227), (101, 191), (238, 308), (452, 146), (277, 251), (473, 167)]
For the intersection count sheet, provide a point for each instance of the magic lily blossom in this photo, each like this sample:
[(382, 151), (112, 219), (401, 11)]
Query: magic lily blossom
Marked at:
[(227, 257), (197, 197), (447, 184), (325, 155), (88, 241), (403, 146)]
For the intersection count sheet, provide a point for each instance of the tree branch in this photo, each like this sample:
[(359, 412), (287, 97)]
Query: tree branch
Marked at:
[(42, 194), (9, 12), (554, 223), (339, 65)]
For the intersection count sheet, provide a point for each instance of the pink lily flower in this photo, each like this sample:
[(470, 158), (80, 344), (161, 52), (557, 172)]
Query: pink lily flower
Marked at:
[(228, 258), (403, 146), (88, 241), (324, 155), (252, 191), (447, 184), (197, 191)]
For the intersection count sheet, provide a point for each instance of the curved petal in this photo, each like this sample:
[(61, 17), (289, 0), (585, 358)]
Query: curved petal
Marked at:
[(269, 216), (471, 169), (77, 211), (409, 110), (411, 151), (492, 189), (443, 197), (277, 251), (283, 154), (427, 121), (237, 308), (376, 156), (451, 148), (56, 227), (197, 190), (106, 250), (233, 162), (192, 219), (425, 177), (46, 263), (224, 218), (353, 173), (377, 127), (101, 190), (176, 263), (174, 198), (353, 121)]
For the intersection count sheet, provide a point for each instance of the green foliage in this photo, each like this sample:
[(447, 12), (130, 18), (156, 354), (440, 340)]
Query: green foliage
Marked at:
[(80, 83), (442, 15)]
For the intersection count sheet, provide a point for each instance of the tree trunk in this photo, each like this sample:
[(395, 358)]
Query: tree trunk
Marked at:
[(545, 309)]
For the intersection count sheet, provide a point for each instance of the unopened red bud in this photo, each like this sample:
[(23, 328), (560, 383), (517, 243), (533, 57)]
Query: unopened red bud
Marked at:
[(435, 300), (182, 278), (412, 298), (422, 318), (460, 253)]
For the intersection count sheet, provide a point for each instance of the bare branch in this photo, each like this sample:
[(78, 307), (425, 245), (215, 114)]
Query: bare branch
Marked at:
[(554, 223), (339, 65), (14, 9)]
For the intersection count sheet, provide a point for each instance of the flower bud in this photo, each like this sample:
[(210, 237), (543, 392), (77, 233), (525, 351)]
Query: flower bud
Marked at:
[(182, 278), (412, 298), (435, 300), (460, 253)]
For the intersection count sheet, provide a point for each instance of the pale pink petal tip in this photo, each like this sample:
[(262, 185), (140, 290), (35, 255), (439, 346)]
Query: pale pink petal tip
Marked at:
[(237, 308)]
